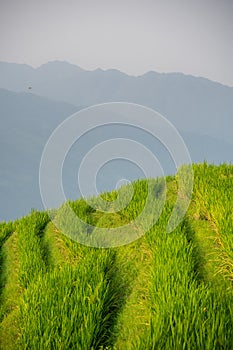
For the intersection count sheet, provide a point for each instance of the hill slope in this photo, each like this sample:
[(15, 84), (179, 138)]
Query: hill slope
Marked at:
[(27, 121), (163, 291)]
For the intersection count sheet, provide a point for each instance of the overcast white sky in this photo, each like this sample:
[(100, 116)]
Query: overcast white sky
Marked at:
[(189, 36)]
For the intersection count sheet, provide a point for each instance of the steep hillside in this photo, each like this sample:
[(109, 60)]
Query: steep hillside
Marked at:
[(162, 291)]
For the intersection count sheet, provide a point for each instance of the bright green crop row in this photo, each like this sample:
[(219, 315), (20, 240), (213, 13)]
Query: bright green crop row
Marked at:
[(213, 193), (5, 230), (32, 256), (69, 308)]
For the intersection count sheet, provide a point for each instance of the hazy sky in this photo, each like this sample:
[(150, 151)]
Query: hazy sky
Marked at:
[(190, 36)]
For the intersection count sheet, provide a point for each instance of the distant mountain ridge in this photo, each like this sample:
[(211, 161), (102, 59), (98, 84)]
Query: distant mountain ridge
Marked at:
[(192, 104), (201, 110)]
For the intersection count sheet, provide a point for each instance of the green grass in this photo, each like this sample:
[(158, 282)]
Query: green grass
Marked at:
[(31, 251), (67, 308), (10, 294), (162, 291), (133, 267), (188, 313)]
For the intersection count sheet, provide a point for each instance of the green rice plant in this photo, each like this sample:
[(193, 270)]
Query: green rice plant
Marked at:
[(10, 293), (163, 291), (70, 307), (213, 193), (32, 261), (5, 231), (132, 273), (187, 313)]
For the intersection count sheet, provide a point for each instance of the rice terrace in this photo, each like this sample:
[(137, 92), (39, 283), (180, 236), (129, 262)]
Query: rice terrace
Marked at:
[(162, 291)]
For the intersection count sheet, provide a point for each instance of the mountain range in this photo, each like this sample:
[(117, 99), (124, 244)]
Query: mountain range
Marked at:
[(33, 101)]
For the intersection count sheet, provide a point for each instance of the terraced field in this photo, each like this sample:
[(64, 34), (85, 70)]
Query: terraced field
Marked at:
[(163, 291)]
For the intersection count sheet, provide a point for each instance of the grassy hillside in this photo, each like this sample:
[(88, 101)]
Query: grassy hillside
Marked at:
[(163, 291)]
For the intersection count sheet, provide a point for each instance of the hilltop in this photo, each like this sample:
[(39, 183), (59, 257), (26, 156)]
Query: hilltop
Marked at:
[(162, 291)]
